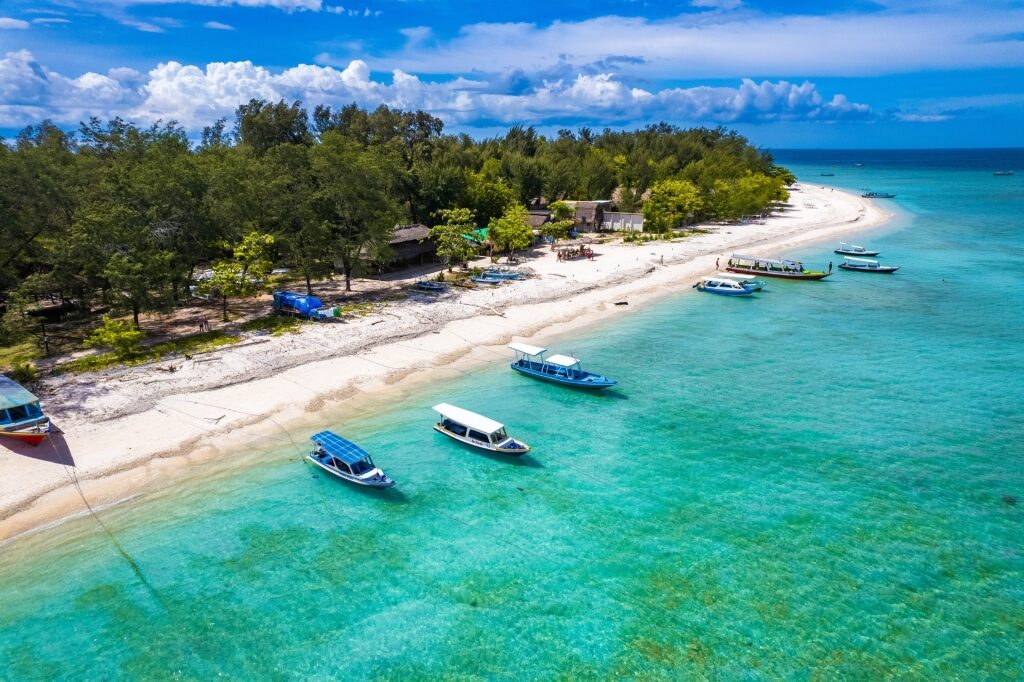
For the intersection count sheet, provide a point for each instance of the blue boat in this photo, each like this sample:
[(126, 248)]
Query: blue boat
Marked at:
[(722, 287), (486, 281), (346, 460), (502, 273), (559, 369), (432, 286)]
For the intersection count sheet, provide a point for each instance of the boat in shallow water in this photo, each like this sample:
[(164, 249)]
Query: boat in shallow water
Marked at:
[(476, 431), (1002, 173), (878, 195), (558, 369), (722, 287), (748, 281), (867, 265), (772, 267), (853, 250), (345, 460), (21, 417)]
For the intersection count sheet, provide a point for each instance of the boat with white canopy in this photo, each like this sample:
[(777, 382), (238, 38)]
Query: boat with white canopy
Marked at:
[(346, 460), (722, 287), (773, 267), (476, 430), (867, 265), (854, 250), (747, 281), (559, 369)]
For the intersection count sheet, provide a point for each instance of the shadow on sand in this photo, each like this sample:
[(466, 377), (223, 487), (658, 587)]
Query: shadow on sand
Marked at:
[(54, 449)]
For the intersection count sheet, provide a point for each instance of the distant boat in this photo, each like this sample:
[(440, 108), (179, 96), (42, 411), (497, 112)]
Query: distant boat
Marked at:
[(503, 273), (878, 195), (346, 460), (558, 369), (747, 281), (827, 175), (858, 165), (853, 250), (431, 285), (21, 417), (867, 265), (771, 267), (476, 430), (486, 281), (722, 287), (1003, 173)]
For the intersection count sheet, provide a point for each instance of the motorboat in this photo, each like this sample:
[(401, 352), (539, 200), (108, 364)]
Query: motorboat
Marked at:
[(345, 460), (1003, 173), (854, 250), (772, 267), (867, 265), (722, 287), (476, 430), (486, 281), (559, 369), (21, 417), (747, 281), (878, 195)]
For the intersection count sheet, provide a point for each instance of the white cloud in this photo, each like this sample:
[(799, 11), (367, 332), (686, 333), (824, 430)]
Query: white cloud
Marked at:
[(9, 23), (51, 20), (921, 118), (717, 4), (218, 26), (286, 5), (196, 96)]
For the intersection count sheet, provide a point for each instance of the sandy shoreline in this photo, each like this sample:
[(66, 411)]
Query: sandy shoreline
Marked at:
[(131, 430)]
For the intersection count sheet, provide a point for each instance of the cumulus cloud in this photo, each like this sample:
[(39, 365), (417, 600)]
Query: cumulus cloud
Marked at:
[(9, 23), (196, 96), (218, 26)]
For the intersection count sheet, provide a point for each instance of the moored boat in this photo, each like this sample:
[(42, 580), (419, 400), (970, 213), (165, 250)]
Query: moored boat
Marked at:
[(1003, 173), (559, 369), (867, 265), (772, 267), (476, 430), (853, 250), (722, 287), (748, 281), (878, 195), (486, 281), (21, 417), (345, 460)]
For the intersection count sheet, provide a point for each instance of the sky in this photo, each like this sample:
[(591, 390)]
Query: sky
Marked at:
[(785, 73)]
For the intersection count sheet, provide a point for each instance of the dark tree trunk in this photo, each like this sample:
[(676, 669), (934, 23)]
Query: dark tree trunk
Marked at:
[(135, 313), (224, 303), (309, 285)]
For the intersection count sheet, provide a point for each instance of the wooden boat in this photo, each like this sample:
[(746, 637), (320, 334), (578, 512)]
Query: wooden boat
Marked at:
[(432, 286), (21, 417), (771, 267), (853, 250), (867, 265), (722, 287), (346, 460), (747, 281), (476, 431), (1002, 173), (558, 369), (878, 195)]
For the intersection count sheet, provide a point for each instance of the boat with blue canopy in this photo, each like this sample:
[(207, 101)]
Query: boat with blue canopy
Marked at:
[(346, 460), (559, 369), (477, 431), (21, 417)]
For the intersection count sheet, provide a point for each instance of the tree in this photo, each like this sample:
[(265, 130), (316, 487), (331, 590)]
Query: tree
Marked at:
[(242, 275), (671, 204), (122, 338), (561, 211), (488, 198), (512, 231), (450, 235), (262, 125)]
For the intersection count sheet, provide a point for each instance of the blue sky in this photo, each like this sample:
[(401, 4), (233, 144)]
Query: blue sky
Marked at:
[(888, 73)]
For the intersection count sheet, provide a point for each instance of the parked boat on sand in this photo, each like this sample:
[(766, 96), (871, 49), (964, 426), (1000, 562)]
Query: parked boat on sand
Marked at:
[(432, 286), (476, 430), (559, 369), (345, 460), (771, 267), (867, 265), (21, 417)]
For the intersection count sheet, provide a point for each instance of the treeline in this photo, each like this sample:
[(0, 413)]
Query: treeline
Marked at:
[(123, 215)]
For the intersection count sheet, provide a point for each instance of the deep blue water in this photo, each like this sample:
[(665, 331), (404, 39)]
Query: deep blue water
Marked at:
[(824, 482)]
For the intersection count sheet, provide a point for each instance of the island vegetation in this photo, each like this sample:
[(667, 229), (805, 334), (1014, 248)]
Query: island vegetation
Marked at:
[(118, 219)]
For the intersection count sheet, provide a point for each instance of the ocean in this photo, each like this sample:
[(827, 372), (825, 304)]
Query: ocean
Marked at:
[(824, 482)]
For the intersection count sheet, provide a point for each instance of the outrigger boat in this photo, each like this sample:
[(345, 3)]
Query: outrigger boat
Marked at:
[(476, 430), (431, 285), (747, 281), (878, 195), (559, 369), (722, 287), (867, 265), (770, 267), (347, 461), (21, 417), (502, 273), (486, 281), (853, 250)]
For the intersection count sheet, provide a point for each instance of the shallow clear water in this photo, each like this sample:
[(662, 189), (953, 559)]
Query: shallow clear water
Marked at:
[(817, 483)]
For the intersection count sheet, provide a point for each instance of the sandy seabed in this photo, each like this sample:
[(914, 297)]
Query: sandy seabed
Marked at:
[(128, 431)]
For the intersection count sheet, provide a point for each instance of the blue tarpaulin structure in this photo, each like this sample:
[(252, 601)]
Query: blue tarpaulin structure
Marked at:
[(290, 302)]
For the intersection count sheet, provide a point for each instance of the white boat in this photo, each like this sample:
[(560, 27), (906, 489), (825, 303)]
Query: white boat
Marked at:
[(722, 287), (748, 281), (853, 250), (867, 265), (476, 430), (347, 461)]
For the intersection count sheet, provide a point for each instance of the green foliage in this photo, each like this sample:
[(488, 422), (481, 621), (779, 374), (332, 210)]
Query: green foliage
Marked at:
[(561, 211), (23, 372), (450, 235), (122, 338), (671, 205), (275, 324), (511, 231), (488, 199), (559, 229), (189, 345)]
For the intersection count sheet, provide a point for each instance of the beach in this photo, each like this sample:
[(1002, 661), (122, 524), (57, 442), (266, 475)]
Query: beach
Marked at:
[(131, 430)]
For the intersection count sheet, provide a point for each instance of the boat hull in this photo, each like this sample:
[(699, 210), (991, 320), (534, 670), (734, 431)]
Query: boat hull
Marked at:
[(366, 483), (724, 292), (595, 383), (33, 435), (780, 274), (486, 281), (845, 252), (486, 447), (885, 270)]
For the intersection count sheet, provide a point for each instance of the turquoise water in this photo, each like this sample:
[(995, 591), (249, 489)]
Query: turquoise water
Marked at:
[(821, 483)]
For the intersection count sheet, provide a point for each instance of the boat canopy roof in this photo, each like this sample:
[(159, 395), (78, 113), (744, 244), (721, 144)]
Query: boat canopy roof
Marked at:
[(734, 276), (467, 418), (345, 450), (860, 260), (562, 360), (13, 394), (851, 246), (527, 348), (762, 259)]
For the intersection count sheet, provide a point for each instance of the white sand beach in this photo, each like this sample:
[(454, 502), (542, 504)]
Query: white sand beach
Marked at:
[(131, 430)]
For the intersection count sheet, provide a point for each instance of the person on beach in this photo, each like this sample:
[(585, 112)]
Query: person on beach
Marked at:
[(716, 263)]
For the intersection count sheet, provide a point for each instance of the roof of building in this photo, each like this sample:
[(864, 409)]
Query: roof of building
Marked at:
[(538, 219), (409, 233)]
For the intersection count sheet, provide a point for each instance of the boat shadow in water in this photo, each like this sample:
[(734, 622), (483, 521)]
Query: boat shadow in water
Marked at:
[(54, 449), (392, 494), (525, 460)]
